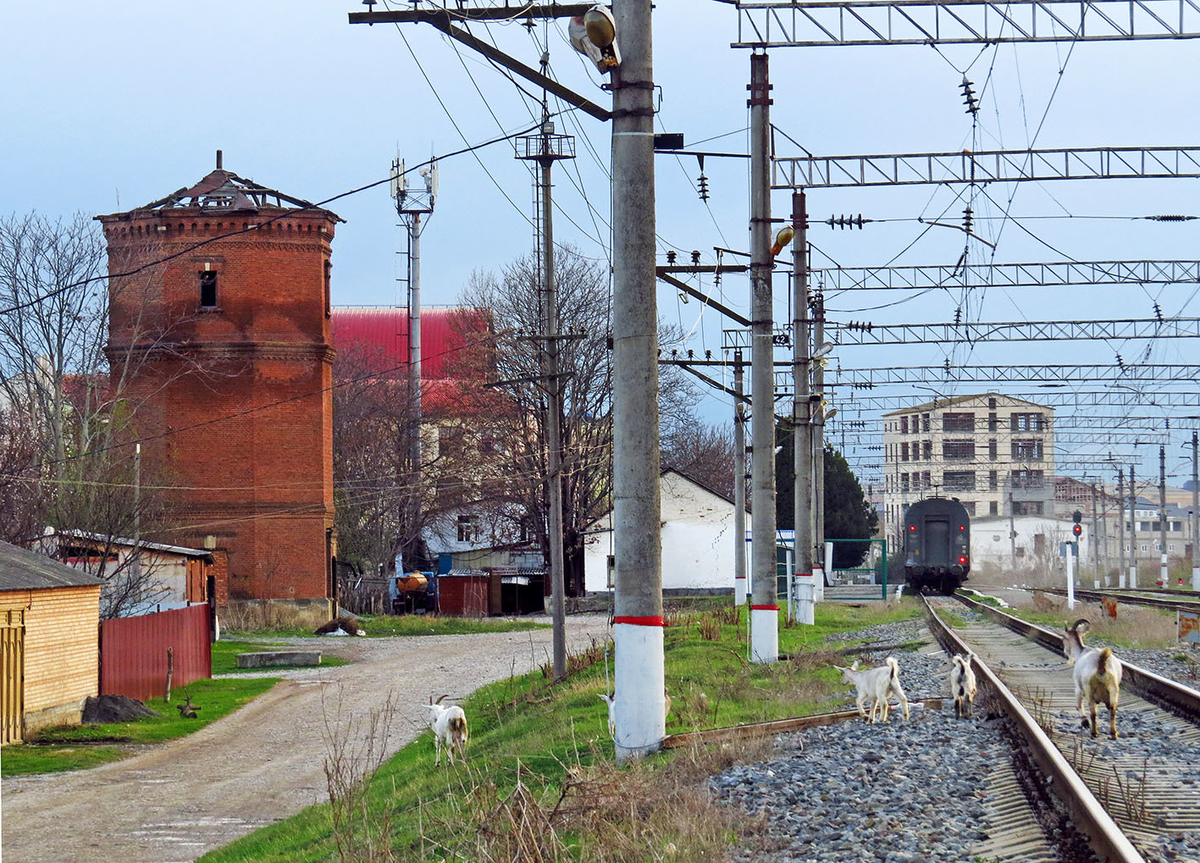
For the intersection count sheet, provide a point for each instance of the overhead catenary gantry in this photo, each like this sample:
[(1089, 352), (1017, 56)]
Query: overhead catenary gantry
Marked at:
[(1017, 275), (786, 23), (850, 334), (1058, 373)]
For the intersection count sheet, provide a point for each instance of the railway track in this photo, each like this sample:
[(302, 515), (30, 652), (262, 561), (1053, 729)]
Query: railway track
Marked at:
[(1135, 798), (1191, 603)]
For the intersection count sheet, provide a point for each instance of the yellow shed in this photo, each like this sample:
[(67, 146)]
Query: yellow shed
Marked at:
[(49, 641)]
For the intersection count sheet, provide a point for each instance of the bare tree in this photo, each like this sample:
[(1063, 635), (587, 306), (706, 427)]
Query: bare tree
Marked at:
[(703, 452)]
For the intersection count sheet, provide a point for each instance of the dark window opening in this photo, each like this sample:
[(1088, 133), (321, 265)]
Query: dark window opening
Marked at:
[(328, 298), (208, 290)]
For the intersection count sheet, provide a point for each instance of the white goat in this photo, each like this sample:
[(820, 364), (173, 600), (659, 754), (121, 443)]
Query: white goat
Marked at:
[(449, 725), (1097, 676), (612, 715), (876, 684), (962, 685)]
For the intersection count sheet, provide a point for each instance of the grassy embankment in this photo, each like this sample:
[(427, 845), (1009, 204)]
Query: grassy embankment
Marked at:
[(1136, 626), (388, 626), (540, 784)]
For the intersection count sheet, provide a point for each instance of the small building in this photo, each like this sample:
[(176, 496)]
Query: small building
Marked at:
[(49, 641), (697, 540)]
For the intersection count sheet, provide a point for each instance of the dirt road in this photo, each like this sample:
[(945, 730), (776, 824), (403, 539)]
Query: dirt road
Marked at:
[(260, 764)]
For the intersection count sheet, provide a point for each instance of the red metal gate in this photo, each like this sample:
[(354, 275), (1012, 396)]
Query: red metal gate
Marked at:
[(133, 651)]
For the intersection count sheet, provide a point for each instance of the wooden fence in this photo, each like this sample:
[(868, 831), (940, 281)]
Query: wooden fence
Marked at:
[(133, 651)]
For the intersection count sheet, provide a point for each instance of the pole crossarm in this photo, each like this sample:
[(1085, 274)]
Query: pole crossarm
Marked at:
[(787, 23), (1027, 275), (702, 297), (985, 166), (1151, 373), (852, 334), (483, 13), (443, 19)]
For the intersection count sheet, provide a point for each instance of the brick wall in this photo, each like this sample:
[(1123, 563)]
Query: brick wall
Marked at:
[(241, 393), (62, 657)]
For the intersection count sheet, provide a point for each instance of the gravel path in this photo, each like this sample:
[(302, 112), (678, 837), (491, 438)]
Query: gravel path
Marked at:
[(262, 763)]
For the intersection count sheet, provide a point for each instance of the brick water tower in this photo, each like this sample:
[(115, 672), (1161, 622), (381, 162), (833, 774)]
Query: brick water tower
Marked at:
[(219, 345)]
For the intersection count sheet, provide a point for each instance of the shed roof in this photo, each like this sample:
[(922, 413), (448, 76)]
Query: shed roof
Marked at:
[(382, 334), (125, 542), (21, 569)]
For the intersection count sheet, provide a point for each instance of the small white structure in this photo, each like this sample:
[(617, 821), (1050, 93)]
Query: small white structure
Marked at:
[(697, 539), (1036, 543)]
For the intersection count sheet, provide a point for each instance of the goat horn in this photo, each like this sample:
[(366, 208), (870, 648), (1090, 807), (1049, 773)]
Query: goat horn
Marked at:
[(1082, 620), (439, 701)]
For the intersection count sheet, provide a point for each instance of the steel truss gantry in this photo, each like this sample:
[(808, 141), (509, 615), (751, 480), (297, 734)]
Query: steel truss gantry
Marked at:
[(852, 334), (1149, 373), (1047, 398), (786, 23), (1028, 275), (984, 166)]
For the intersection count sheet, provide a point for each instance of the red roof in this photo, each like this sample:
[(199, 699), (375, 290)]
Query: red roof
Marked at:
[(382, 335)]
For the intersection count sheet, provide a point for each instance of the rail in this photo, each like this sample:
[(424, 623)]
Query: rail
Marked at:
[(1104, 835), (1192, 604)]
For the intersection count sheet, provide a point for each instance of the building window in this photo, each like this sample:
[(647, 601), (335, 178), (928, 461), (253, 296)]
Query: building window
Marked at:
[(208, 290), (992, 454), (903, 452), (1170, 546), (962, 422), (991, 404), (467, 531), (903, 482), (925, 480), (993, 480), (924, 422), (1027, 449), (1027, 478), (903, 425), (993, 423), (993, 508), (969, 506), (1027, 422), (958, 450), (1144, 546), (328, 298), (959, 480)]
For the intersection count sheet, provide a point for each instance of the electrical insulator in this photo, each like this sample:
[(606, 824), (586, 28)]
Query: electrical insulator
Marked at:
[(1170, 217), (695, 257), (947, 364), (967, 221), (1120, 363), (958, 316), (671, 257), (702, 182), (1158, 311), (969, 99), (845, 221)]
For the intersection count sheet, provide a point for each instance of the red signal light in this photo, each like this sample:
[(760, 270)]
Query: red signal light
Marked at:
[(962, 559), (1077, 529), (912, 527), (962, 527)]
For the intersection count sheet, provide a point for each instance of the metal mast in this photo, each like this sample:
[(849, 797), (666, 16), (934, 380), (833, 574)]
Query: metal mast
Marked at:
[(739, 484), (546, 149), (803, 506), (1195, 512), (1133, 561), (1163, 575), (1121, 525)]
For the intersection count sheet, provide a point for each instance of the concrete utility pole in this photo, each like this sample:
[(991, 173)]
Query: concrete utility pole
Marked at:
[(1094, 542), (1195, 513), (739, 484), (764, 609), (803, 509), (640, 712), (137, 512), (1012, 531), (1163, 575), (818, 442), (1133, 562), (546, 149), (1121, 526)]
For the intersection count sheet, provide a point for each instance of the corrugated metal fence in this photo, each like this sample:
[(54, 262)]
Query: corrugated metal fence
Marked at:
[(133, 651)]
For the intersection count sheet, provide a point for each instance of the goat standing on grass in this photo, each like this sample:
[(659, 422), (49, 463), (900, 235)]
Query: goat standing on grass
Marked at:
[(877, 684), (1097, 676), (962, 685), (449, 726)]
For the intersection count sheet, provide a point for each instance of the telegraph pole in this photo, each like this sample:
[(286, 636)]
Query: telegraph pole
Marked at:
[(1012, 531), (1094, 542), (640, 713), (818, 444), (764, 609), (739, 485), (1195, 513), (545, 149), (1163, 575), (802, 429), (1121, 525), (137, 515), (1133, 561)]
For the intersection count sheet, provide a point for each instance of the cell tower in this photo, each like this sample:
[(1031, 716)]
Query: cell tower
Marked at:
[(413, 203)]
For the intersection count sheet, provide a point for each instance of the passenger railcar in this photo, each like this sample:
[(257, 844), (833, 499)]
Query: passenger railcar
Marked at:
[(937, 545)]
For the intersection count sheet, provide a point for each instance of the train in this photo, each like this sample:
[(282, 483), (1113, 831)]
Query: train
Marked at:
[(937, 545)]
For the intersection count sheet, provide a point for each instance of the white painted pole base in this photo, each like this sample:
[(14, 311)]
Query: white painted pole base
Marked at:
[(739, 590), (640, 706), (1070, 578), (1163, 574), (1120, 579), (818, 582), (764, 633), (1133, 576), (805, 603), (1196, 578)]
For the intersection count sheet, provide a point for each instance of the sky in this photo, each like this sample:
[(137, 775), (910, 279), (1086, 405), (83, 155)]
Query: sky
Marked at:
[(111, 106)]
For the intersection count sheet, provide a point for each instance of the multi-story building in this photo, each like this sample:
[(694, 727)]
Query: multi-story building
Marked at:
[(992, 452)]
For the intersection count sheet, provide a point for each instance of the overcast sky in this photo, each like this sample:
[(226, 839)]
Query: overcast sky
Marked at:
[(110, 106)]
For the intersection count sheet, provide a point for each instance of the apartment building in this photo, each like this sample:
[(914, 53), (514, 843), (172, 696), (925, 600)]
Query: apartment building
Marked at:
[(994, 453)]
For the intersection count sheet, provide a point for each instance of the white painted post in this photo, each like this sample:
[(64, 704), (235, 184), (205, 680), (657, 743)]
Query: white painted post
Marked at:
[(805, 606), (1070, 575)]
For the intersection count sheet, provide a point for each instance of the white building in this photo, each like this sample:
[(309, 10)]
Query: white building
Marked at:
[(697, 539), (992, 452)]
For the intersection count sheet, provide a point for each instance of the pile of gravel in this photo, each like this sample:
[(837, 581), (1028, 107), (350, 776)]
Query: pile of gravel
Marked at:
[(885, 633), (882, 793)]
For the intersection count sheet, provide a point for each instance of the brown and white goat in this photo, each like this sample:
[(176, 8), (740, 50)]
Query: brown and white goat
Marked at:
[(962, 686), (875, 684), (1097, 676), (449, 725)]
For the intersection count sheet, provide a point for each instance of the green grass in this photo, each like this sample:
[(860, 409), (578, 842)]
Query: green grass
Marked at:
[(524, 724), (224, 657), (74, 747), (412, 624), (954, 621)]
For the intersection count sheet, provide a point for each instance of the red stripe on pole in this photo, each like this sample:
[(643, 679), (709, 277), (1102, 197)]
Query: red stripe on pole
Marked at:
[(640, 621), (765, 607)]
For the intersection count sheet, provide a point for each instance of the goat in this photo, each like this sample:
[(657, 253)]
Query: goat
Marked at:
[(1097, 676), (962, 685), (876, 684), (449, 726)]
